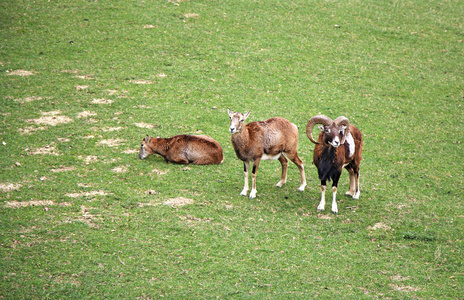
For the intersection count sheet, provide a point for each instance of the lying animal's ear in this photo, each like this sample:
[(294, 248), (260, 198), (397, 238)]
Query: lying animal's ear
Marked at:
[(147, 138), (247, 114)]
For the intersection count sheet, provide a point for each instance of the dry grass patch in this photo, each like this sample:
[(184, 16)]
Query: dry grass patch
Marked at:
[(30, 129), (45, 203), (111, 142), (87, 194), (121, 169), (28, 99), (144, 125), (47, 150), (87, 217), (20, 73), (81, 87), (179, 201), (86, 114), (142, 81), (8, 187), (130, 151), (102, 101), (62, 169), (52, 118), (88, 159), (70, 71), (160, 172), (87, 77), (110, 129), (378, 226), (191, 15)]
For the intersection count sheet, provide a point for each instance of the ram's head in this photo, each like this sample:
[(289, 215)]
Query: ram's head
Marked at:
[(332, 132)]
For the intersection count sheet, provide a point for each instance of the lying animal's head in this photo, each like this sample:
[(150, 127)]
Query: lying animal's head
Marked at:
[(145, 149), (237, 121), (332, 132)]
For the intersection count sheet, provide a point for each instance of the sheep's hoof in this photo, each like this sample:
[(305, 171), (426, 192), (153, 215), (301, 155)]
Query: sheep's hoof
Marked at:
[(253, 194), (349, 194)]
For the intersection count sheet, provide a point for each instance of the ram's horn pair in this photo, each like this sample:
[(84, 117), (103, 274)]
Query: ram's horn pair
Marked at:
[(324, 120)]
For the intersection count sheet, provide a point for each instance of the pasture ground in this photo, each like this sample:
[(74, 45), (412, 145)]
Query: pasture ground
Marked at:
[(82, 82)]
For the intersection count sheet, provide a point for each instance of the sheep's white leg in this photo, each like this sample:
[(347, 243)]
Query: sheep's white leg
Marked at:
[(352, 190), (322, 203), (253, 177), (303, 178), (334, 200), (283, 176), (245, 187)]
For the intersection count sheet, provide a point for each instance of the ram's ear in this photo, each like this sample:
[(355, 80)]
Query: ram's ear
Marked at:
[(321, 127)]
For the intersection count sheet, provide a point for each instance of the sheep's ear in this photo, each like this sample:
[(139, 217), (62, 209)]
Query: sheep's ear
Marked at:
[(247, 114), (321, 127), (147, 138), (229, 112)]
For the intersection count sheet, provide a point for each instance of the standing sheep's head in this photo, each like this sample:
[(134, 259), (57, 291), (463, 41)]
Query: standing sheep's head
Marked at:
[(332, 132), (237, 121)]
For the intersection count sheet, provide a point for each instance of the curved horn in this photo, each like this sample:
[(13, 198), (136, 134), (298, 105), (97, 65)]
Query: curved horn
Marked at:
[(344, 122), (319, 119)]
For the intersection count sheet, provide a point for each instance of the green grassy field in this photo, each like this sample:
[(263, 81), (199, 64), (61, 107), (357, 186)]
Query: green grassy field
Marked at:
[(82, 82)]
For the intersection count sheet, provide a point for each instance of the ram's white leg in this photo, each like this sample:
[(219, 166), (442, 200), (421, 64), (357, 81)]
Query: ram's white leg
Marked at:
[(322, 203), (352, 190), (358, 192), (245, 187), (334, 200)]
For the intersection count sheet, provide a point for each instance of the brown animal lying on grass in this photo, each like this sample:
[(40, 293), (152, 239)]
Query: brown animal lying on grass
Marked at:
[(184, 149)]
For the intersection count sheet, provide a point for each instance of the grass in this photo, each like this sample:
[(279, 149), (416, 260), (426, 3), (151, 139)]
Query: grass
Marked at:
[(82, 217)]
